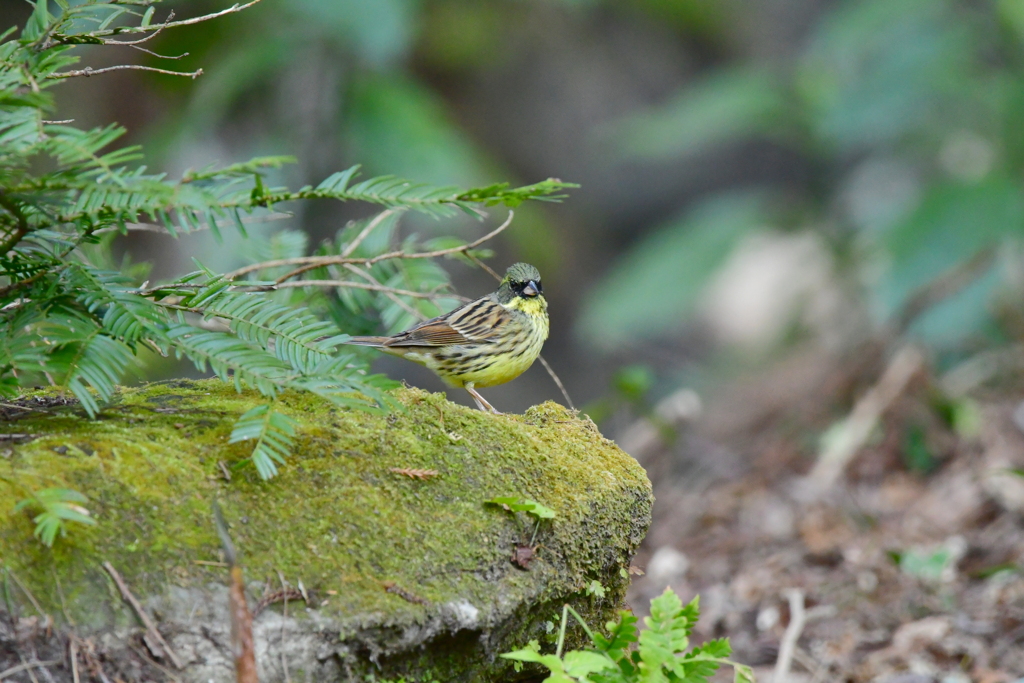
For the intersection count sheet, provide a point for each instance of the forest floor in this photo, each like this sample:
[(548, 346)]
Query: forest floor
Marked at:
[(906, 569)]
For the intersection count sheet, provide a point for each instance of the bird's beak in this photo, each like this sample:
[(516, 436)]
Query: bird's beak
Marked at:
[(531, 289)]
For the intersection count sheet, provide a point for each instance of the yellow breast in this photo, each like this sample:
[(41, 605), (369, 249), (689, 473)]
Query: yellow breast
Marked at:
[(487, 365)]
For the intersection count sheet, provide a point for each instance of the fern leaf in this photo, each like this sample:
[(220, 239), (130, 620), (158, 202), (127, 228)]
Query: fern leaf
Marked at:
[(294, 335), (274, 433), (230, 358)]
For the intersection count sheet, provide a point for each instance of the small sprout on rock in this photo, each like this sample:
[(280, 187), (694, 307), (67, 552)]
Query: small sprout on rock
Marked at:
[(58, 506), (596, 588), (524, 552), (517, 504)]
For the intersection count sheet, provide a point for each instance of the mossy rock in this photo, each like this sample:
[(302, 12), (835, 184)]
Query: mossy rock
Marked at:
[(406, 578)]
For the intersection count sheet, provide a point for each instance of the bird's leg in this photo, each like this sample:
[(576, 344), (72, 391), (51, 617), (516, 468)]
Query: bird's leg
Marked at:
[(481, 402)]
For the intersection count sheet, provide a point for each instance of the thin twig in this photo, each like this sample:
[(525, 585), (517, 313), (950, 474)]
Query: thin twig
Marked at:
[(63, 603), (267, 600), (167, 24), (27, 666), (483, 266), (146, 621), (156, 54), (28, 594), (349, 248), (142, 655), (140, 41), (73, 655), (558, 381), (853, 432), (403, 305), (339, 260), (353, 285), (242, 644), (791, 636), (284, 620), (945, 285), (365, 232), (89, 71)]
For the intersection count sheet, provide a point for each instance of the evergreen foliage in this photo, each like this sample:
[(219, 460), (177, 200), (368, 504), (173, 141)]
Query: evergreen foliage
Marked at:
[(70, 320)]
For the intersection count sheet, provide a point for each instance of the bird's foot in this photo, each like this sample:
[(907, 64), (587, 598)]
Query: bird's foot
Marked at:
[(481, 402)]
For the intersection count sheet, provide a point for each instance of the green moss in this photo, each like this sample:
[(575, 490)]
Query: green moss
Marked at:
[(336, 517)]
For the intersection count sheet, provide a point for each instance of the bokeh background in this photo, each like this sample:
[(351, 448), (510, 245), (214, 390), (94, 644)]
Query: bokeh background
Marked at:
[(753, 174), (773, 196)]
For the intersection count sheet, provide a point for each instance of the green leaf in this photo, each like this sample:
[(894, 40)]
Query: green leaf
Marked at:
[(744, 674), (727, 106), (952, 224), (518, 504), (581, 663), (530, 653), (621, 635), (402, 126), (879, 71)]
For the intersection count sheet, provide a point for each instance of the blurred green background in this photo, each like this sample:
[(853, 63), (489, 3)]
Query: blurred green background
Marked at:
[(755, 176)]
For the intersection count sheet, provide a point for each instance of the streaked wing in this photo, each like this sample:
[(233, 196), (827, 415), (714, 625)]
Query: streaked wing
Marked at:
[(476, 322)]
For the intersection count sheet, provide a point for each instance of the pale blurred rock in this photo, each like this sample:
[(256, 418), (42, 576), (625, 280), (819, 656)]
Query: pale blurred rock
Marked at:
[(771, 280), (767, 618), (769, 514), (667, 565)]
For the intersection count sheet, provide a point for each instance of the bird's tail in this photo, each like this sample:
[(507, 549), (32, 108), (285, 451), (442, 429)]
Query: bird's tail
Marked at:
[(366, 341)]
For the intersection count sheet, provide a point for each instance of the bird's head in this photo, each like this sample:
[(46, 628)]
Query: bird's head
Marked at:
[(521, 285)]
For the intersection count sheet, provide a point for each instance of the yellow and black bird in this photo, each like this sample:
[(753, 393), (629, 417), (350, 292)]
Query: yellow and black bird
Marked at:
[(482, 343)]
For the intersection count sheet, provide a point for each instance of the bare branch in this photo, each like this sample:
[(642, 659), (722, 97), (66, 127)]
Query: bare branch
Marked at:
[(317, 261), (406, 307), (356, 285), (156, 54), (26, 666), (351, 247), (848, 437), (169, 24), (142, 614), (89, 71), (151, 36), (370, 227), (797, 620), (483, 266), (20, 230)]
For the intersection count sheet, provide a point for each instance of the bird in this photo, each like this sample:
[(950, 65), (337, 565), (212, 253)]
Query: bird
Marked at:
[(480, 344)]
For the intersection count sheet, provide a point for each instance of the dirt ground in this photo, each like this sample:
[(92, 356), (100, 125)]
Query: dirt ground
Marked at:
[(908, 567)]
